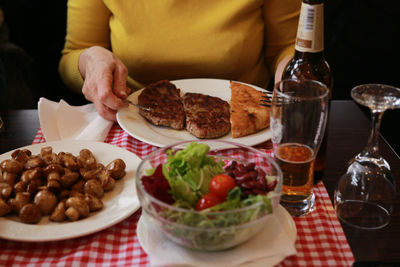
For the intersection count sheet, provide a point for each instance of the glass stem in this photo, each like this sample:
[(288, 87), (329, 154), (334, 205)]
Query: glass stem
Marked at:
[(372, 147)]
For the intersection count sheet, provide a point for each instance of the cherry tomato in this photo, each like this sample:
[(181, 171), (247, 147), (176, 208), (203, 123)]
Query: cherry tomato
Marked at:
[(221, 184), (207, 201)]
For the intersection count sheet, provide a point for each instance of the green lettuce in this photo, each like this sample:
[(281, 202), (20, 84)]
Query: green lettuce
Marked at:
[(189, 172)]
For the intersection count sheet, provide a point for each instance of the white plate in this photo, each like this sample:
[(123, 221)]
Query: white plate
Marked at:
[(119, 203), (153, 240), (137, 126)]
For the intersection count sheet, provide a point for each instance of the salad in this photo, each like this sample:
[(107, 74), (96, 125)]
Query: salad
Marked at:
[(217, 192)]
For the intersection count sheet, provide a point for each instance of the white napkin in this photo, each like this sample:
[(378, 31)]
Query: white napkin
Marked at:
[(60, 121), (267, 248)]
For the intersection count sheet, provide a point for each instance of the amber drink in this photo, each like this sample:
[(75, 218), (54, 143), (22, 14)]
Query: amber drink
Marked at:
[(296, 162), (298, 119)]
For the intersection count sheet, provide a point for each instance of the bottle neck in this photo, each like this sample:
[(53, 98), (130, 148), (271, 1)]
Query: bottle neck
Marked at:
[(313, 2), (309, 56), (310, 30)]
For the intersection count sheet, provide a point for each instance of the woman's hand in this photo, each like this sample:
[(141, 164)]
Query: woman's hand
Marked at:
[(104, 80)]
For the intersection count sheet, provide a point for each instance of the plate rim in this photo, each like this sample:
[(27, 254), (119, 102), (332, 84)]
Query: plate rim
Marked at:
[(108, 222)]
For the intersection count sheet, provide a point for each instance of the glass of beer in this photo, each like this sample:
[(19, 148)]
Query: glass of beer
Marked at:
[(299, 112)]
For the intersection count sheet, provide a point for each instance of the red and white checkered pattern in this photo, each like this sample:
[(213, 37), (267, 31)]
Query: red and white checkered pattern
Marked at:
[(320, 238)]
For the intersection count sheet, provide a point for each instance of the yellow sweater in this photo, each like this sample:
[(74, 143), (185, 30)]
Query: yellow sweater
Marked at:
[(240, 40)]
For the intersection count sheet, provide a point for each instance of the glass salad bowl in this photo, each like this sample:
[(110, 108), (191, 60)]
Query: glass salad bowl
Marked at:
[(179, 192)]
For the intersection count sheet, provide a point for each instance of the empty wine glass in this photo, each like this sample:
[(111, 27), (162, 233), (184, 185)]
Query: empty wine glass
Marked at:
[(365, 194)]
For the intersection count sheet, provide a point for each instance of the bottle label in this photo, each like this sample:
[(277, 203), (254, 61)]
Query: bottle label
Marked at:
[(310, 31)]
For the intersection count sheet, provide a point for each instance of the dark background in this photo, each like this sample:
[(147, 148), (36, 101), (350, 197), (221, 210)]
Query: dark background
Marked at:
[(361, 46)]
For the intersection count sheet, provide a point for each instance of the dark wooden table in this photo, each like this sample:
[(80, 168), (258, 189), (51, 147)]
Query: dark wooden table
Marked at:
[(19, 128), (349, 130), (348, 133)]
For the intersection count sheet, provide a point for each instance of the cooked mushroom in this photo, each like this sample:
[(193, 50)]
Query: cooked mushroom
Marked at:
[(66, 170), (34, 162), (94, 187), (53, 168), (21, 198), (79, 204), (20, 186), (94, 203), (49, 158), (31, 174), (69, 161), (5, 190), (33, 186), (53, 186), (72, 214), (64, 193), (21, 155), (78, 186), (58, 215), (27, 152), (105, 178), (53, 172), (53, 182), (11, 165), (46, 150), (9, 178), (107, 181), (4, 208), (30, 213), (53, 176), (68, 179), (87, 159), (46, 201), (88, 174), (116, 168), (76, 194), (100, 166)]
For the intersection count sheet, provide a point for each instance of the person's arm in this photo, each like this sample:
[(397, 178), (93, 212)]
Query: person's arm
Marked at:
[(281, 18), (87, 26), (87, 65)]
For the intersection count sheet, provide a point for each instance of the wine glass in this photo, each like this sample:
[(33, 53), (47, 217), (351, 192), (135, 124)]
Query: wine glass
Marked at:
[(365, 194)]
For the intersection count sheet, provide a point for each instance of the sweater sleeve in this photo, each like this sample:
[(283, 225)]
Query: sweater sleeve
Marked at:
[(281, 18), (87, 25)]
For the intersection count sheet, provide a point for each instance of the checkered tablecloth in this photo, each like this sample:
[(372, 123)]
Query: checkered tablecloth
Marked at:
[(320, 238)]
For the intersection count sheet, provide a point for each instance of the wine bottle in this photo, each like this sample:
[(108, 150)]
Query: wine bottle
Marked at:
[(309, 62)]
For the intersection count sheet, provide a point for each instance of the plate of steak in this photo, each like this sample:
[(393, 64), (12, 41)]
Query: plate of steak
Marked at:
[(140, 127)]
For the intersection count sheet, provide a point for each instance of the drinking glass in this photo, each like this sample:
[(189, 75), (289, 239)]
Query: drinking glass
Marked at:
[(365, 194), (298, 118)]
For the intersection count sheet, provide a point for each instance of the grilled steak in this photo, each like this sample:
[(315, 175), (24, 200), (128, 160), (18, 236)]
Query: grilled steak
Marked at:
[(206, 116), (166, 105)]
